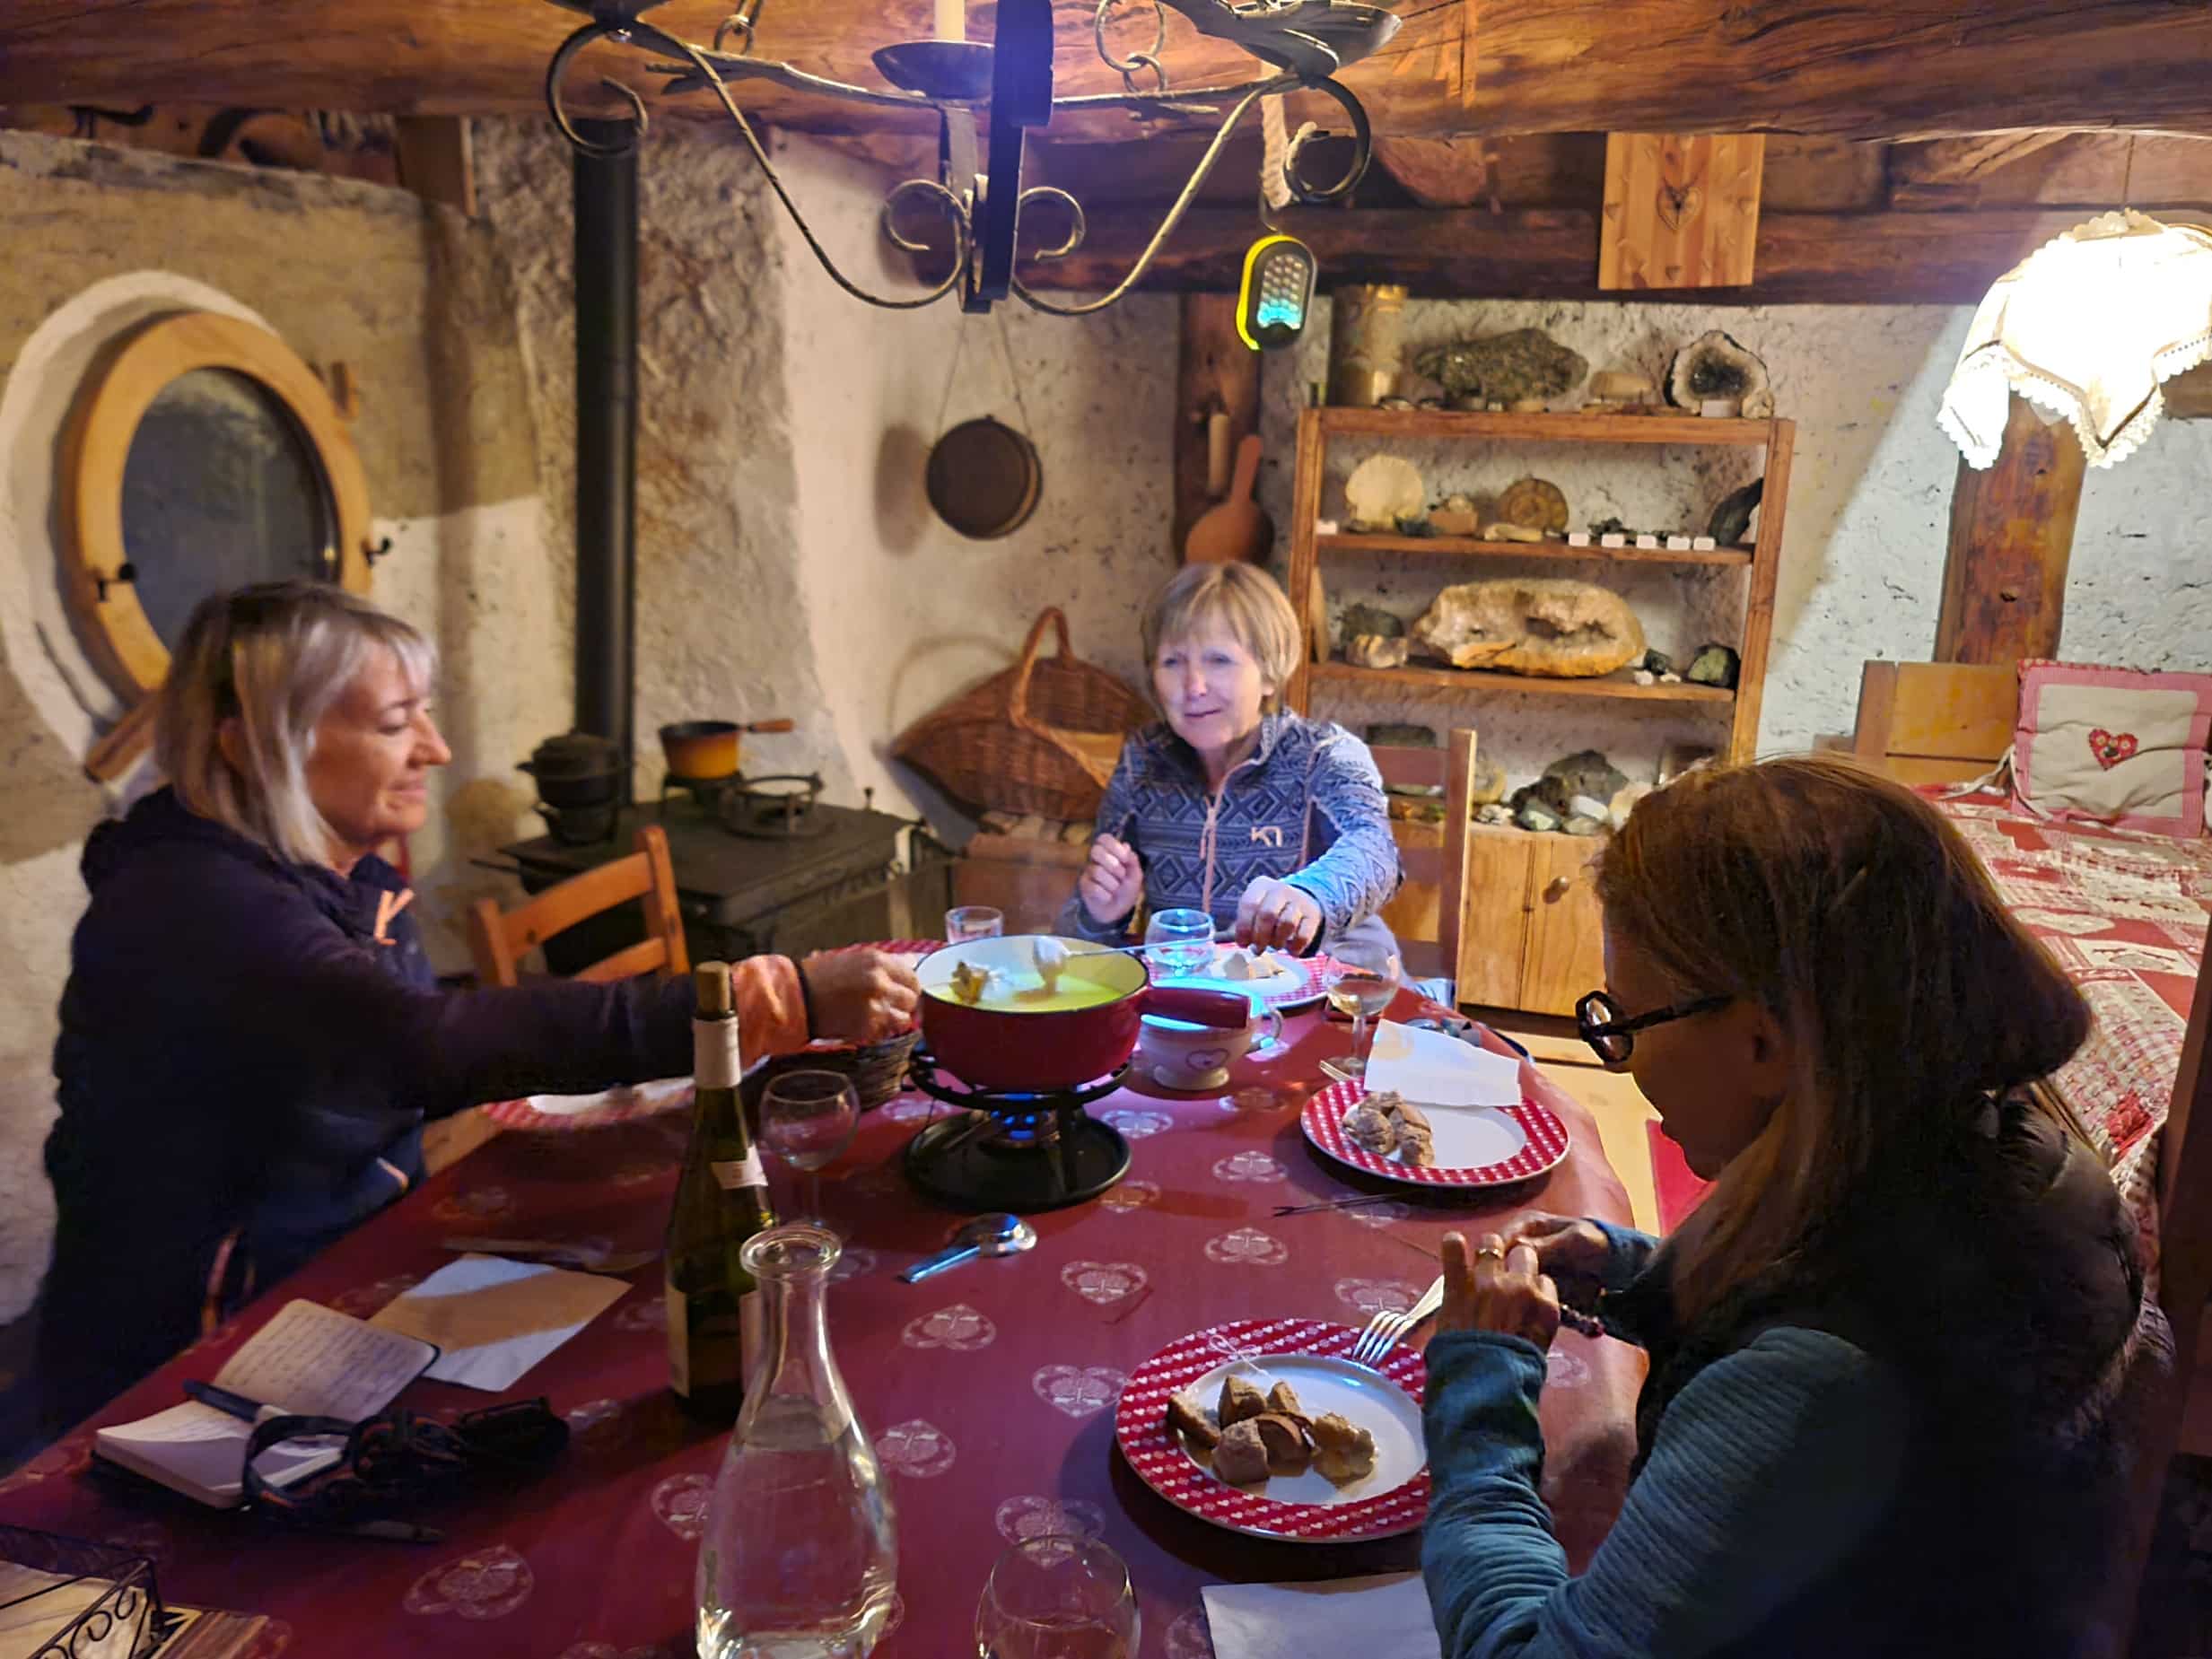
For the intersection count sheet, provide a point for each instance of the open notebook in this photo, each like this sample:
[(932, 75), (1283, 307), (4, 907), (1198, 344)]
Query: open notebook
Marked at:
[(310, 1361)]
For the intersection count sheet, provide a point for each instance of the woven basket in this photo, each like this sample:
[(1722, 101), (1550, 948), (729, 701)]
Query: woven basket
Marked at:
[(878, 1069), (1041, 737)]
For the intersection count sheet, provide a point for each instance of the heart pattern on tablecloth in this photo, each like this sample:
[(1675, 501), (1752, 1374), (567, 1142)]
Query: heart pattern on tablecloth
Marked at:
[(1103, 1283), (1130, 1195), (1078, 1391), (852, 1261), (1247, 1246), (958, 1327), (2111, 747), (1377, 1296), (647, 1314), (598, 1426), (1250, 1167), (680, 1502), (917, 1448), (1038, 1516), (1138, 1125), (486, 1584)]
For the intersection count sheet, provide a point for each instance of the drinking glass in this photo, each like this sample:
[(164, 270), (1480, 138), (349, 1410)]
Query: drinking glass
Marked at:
[(1362, 978), (806, 1119), (973, 922), (1058, 1597), (1179, 941)]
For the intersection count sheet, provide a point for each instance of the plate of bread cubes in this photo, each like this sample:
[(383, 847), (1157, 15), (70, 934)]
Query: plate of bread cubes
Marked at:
[(1383, 1134)]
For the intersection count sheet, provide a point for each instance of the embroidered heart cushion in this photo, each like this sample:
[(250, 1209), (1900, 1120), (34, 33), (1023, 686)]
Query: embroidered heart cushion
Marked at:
[(2114, 746)]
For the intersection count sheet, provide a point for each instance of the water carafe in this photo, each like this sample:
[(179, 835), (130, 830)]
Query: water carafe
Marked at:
[(801, 1553)]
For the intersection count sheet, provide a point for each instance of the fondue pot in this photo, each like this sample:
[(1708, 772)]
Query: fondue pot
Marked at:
[(997, 1043), (707, 751)]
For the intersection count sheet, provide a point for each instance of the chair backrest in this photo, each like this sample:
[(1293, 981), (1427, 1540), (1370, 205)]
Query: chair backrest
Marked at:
[(1425, 914), (1935, 722), (499, 940)]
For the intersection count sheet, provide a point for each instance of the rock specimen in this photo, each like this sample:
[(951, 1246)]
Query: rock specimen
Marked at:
[(1536, 503), (1715, 366), (1488, 784), (1496, 812), (1731, 520), (1505, 531), (1376, 651), (1659, 662), (1714, 665), (1549, 626), (1504, 368), (1621, 386), (1580, 785), (1457, 515), (1535, 815), (1364, 618), (1382, 490)]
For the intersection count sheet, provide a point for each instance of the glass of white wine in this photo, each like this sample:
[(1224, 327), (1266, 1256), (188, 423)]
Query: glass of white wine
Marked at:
[(1058, 1597), (1362, 978)]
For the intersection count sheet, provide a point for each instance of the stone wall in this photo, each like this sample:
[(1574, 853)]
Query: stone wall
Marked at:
[(416, 301)]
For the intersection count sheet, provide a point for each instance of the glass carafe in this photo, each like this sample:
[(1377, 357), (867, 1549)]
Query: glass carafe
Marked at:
[(801, 1553)]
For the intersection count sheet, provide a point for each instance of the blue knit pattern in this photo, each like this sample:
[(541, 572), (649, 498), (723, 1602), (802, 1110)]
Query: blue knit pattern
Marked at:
[(1310, 784), (1769, 1468)]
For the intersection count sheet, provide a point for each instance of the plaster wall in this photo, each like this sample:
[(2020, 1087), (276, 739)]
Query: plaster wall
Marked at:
[(1863, 552), (414, 300)]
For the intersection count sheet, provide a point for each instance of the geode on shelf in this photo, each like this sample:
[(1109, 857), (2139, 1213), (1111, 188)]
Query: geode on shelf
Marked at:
[(1717, 365), (1504, 368), (1540, 625)]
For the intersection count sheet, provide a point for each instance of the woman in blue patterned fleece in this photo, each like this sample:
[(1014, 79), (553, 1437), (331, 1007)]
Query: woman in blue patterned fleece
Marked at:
[(1273, 822)]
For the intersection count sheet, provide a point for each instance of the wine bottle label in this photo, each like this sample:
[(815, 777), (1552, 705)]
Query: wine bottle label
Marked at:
[(710, 1349), (679, 1341), (716, 1061), (731, 1173)]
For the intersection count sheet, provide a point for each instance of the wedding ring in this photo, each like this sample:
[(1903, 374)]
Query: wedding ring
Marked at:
[(1495, 1252)]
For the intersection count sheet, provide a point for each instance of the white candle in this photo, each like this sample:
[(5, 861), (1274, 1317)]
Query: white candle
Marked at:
[(952, 20)]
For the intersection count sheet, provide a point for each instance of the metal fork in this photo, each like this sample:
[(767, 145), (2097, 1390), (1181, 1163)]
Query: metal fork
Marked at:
[(1387, 1329)]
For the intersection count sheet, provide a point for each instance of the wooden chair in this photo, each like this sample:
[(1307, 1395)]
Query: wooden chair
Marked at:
[(1935, 722), (1427, 912), (499, 941)]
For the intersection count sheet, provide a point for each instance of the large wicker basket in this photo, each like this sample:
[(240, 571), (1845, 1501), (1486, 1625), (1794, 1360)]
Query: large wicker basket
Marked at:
[(1041, 737)]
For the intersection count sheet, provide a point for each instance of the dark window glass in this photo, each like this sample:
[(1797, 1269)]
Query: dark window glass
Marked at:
[(220, 487)]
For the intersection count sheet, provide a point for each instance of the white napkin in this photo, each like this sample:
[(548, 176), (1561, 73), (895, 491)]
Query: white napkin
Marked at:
[(1385, 1617), (1431, 1069), (495, 1319)]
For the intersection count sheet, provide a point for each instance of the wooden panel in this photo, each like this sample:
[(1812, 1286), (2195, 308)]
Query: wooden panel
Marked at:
[(1566, 939), (1506, 428), (1680, 211), (1305, 586), (1493, 940), (1568, 170), (436, 161), (1527, 550), (1415, 915), (2190, 396), (1751, 679), (1216, 375), (1410, 768), (2061, 170), (1524, 684), (2012, 535), (1936, 712)]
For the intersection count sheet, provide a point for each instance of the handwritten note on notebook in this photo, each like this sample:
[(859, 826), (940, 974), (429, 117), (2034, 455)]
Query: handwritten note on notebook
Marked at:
[(495, 1319), (309, 1361)]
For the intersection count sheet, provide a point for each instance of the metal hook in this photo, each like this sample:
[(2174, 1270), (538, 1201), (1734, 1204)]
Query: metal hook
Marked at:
[(1362, 149), (374, 550), (558, 67)]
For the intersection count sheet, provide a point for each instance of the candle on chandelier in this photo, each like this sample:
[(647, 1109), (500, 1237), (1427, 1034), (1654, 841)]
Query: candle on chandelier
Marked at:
[(952, 20)]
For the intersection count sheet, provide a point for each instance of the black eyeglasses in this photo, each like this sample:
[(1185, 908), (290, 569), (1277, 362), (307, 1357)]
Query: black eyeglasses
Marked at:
[(1605, 1026)]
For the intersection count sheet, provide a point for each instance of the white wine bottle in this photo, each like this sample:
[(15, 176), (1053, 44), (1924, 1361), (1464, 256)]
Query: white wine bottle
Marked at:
[(721, 1201)]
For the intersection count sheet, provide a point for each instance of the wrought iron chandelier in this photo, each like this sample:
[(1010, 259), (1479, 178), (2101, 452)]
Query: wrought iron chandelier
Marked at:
[(991, 93)]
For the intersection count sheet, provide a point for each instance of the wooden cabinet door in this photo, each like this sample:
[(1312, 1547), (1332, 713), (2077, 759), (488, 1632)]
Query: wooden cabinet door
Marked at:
[(1566, 951), (1494, 917)]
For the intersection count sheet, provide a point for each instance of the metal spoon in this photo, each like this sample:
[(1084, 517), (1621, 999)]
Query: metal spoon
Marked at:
[(986, 1235)]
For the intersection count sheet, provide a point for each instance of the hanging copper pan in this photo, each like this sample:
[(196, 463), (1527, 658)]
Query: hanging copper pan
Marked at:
[(984, 479)]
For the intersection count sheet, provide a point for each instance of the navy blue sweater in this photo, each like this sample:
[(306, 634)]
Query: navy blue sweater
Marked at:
[(244, 1069)]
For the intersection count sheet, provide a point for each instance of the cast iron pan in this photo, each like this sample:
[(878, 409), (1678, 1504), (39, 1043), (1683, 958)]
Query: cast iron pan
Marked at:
[(984, 479)]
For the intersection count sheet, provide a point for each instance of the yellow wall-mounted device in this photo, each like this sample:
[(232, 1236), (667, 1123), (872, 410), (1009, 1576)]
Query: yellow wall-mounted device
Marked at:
[(1277, 294)]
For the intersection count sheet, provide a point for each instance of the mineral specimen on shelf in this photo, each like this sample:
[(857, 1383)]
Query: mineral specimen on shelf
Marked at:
[(1542, 625), (1493, 812), (1383, 735), (1538, 502), (1621, 386), (1659, 662), (1580, 825), (1572, 786), (1534, 815), (1716, 366), (1456, 515), (1645, 676), (1583, 807), (1731, 520), (1504, 532), (1372, 650), (1503, 368), (1623, 802), (1361, 617), (1714, 665), (1488, 784), (1383, 490)]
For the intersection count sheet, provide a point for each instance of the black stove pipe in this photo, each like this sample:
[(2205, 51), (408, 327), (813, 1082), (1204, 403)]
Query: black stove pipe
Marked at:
[(605, 293)]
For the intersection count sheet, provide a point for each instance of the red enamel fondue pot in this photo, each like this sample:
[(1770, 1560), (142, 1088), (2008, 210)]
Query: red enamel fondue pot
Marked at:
[(1015, 1037)]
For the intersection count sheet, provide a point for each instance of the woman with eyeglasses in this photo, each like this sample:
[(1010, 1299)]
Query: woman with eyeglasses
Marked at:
[(252, 1035), (1895, 1352)]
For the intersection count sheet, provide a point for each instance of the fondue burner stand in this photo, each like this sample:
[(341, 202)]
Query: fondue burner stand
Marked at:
[(776, 807), (1015, 1152)]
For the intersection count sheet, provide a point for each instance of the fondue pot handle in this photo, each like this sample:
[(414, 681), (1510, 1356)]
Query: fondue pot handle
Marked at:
[(1222, 1011), (782, 725)]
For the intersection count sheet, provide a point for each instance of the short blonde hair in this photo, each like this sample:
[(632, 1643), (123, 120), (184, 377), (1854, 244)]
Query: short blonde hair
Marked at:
[(273, 657), (1242, 598)]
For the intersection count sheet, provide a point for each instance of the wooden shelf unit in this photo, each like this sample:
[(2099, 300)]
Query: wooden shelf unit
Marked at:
[(1317, 427)]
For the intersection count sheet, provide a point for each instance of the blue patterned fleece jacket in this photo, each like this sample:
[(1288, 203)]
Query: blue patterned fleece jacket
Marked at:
[(1308, 808)]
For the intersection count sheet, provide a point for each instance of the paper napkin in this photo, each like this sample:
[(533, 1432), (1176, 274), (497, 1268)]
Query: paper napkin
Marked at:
[(1384, 1617), (1432, 1069), (495, 1319)]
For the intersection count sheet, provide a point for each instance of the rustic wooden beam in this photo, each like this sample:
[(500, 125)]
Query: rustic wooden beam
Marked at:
[(1681, 211), (2085, 170), (1842, 258), (435, 159), (2012, 534), (1216, 404), (2188, 396)]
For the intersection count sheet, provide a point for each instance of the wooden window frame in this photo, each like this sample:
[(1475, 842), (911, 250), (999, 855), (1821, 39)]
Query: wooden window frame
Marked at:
[(114, 399)]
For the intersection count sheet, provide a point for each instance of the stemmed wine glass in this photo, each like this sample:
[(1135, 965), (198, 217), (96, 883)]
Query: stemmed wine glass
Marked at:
[(1058, 1597), (806, 1119), (1179, 941), (1362, 978), (965, 922)]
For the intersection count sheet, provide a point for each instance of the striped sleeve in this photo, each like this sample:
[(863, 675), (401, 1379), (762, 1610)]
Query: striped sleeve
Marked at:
[(1356, 876), (1117, 812)]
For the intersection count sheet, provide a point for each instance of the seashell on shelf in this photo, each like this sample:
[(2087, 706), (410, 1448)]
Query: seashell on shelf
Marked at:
[(1382, 490)]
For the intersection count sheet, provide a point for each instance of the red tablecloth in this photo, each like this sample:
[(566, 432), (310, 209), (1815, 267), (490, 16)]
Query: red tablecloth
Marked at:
[(988, 1390)]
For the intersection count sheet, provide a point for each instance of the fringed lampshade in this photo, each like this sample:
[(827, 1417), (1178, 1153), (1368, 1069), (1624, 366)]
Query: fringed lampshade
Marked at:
[(2087, 326)]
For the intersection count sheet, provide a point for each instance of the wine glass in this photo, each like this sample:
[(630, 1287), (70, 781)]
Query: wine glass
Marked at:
[(806, 1119), (1362, 978), (1179, 941), (965, 922), (1058, 1597)]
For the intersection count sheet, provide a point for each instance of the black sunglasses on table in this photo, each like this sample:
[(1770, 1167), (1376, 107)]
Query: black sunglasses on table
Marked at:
[(1605, 1026)]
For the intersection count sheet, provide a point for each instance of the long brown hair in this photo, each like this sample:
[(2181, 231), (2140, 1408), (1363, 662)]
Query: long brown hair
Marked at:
[(1855, 913)]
